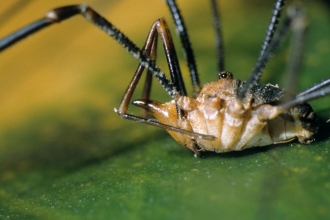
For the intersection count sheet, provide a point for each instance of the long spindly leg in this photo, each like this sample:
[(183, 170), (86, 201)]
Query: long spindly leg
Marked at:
[(268, 47), (299, 25), (234, 128), (259, 116), (315, 94), (59, 14), (182, 30), (189, 54), (148, 80), (268, 112), (160, 28), (266, 56), (150, 47), (272, 27), (218, 36), (318, 87)]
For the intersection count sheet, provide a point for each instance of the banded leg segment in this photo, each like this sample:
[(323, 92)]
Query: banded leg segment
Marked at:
[(60, 14), (319, 87), (160, 28), (153, 54), (266, 56), (189, 53), (296, 21), (235, 131), (218, 36), (298, 26), (149, 49), (272, 27)]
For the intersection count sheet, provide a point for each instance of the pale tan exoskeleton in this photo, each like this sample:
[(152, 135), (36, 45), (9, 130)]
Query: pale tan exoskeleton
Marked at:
[(226, 115)]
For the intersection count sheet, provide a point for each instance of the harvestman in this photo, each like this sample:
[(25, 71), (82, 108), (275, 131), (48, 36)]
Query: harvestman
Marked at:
[(226, 115)]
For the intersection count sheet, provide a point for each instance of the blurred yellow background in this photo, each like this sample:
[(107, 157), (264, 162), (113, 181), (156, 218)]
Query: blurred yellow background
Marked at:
[(55, 66), (67, 63)]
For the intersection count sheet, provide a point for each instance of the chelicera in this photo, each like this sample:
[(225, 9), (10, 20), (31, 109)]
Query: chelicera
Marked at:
[(225, 115)]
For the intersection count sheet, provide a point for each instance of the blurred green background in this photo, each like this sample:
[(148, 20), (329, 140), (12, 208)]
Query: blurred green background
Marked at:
[(65, 154)]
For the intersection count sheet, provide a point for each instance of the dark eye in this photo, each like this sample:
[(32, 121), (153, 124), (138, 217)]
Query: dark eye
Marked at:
[(225, 75)]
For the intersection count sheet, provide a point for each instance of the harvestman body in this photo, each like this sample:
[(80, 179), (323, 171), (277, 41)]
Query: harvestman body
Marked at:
[(226, 115)]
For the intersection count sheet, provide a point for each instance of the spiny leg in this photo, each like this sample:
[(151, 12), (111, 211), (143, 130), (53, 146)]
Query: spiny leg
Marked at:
[(268, 112), (266, 56), (150, 50), (235, 111), (59, 14), (163, 32), (318, 87), (161, 28), (268, 47), (189, 54), (299, 25), (316, 94), (272, 27), (234, 128), (158, 28), (218, 36)]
